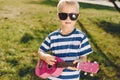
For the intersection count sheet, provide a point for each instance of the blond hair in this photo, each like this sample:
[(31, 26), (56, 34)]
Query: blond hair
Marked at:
[(67, 2)]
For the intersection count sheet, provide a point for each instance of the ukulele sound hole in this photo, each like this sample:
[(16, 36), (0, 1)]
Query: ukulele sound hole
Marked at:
[(49, 66)]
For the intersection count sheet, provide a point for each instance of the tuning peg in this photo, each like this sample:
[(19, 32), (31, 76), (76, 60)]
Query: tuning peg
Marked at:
[(91, 74), (95, 61), (85, 73)]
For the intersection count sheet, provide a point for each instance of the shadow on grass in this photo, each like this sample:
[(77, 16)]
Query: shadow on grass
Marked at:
[(28, 70), (46, 2), (107, 61), (41, 34), (13, 62), (110, 27), (95, 6), (82, 5), (26, 38)]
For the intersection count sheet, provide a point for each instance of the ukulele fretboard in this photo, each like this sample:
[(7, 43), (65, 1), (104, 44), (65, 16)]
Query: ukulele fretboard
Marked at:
[(65, 64)]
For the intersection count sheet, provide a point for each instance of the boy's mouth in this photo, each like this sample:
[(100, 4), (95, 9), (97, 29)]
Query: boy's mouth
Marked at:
[(67, 22)]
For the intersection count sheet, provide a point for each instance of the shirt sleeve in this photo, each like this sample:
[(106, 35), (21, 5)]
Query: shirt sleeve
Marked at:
[(45, 46), (85, 47)]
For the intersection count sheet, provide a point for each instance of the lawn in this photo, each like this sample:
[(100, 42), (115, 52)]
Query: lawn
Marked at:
[(24, 24)]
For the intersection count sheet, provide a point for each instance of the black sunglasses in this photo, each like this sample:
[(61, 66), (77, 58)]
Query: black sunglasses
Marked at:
[(72, 16)]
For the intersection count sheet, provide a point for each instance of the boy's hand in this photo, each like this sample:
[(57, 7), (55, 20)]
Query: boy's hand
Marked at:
[(74, 62), (49, 59), (82, 59)]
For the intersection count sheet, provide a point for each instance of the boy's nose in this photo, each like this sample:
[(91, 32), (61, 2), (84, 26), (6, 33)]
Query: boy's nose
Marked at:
[(68, 18)]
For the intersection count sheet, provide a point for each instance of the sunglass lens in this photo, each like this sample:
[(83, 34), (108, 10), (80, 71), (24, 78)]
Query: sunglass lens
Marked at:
[(73, 16), (62, 16)]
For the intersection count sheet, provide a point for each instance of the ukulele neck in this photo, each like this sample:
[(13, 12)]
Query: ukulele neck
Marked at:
[(65, 64)]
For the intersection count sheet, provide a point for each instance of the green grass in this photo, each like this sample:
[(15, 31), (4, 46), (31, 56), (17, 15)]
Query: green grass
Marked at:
[(24, 24)]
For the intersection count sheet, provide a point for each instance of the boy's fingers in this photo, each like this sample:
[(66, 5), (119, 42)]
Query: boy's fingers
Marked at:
[(53, 59), (76, 61), (51, 63), (72, 68)]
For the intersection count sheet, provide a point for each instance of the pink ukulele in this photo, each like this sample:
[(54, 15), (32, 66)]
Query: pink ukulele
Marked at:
[(43, 70)]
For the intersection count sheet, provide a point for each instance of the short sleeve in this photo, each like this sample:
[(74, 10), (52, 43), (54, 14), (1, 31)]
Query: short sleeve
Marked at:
[(45, 46), (85, 47)]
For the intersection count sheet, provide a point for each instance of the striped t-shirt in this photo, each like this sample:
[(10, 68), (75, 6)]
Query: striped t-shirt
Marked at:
[(67, 47)]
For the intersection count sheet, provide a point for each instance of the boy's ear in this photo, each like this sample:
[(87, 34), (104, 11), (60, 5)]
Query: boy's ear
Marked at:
[(78, 16), (58, 16)]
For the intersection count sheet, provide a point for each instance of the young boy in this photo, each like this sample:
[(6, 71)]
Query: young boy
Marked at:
[(67, 43)]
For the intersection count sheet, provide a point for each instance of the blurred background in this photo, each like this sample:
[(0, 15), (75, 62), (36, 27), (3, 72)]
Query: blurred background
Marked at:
[(24, 24)]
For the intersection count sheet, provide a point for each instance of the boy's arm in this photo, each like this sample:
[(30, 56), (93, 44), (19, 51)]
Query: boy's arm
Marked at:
[(46, 57)]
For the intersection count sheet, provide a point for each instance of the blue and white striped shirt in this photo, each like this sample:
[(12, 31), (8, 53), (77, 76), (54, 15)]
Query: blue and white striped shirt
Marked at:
[(67, 47)]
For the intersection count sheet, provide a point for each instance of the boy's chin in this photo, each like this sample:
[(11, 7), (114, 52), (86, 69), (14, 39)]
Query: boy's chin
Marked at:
[(69, 26)]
